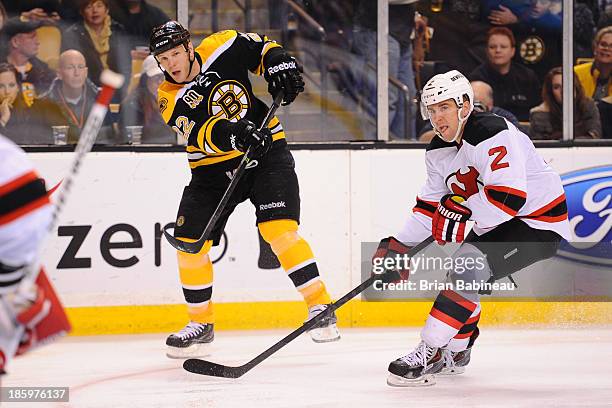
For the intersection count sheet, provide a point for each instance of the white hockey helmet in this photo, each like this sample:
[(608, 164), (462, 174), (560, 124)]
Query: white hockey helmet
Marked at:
[(450, 85)]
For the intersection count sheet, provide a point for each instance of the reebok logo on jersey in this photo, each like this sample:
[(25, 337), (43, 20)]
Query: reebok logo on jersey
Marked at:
[(279, 204), (282, 67), (449, 214), (233, 141)]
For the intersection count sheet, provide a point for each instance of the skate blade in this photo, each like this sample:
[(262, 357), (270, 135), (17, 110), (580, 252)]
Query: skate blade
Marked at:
[(450, 371), (325, 334), (195, 351), (423, 381)]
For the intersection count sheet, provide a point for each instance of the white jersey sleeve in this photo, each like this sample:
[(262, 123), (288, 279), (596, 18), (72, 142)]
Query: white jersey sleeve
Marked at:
[(25, 210), (418, 225), (501, 161)]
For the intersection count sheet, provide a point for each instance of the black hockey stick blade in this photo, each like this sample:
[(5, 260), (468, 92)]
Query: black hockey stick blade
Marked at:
[(204, 367), (196, 246)]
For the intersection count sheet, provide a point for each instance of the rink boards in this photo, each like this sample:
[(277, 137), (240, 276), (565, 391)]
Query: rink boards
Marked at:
[(116, 274)]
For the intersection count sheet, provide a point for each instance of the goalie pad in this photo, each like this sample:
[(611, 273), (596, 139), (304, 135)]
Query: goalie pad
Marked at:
[(31, 319)]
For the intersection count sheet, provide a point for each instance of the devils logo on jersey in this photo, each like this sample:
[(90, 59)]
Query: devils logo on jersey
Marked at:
[(464, 182)]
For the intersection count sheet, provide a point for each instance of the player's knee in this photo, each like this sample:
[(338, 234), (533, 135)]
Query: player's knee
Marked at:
[(191, 261), (280, 234)]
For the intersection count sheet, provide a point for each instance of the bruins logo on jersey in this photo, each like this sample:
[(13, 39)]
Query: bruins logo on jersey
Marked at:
[(532, 49), (229, 100), (163, 104)]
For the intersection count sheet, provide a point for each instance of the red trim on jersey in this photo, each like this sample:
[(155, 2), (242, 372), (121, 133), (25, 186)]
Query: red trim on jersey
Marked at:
[(444, 318), (425, 207), (460, 300), (21, 211), (537, 215), (18, 182), (461, 336), (512, 193), (473, 319)]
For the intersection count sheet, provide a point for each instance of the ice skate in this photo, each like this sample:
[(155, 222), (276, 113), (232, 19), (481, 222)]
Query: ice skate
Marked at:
[(326, 331), (417, 368), (454, 362), (191, 341)]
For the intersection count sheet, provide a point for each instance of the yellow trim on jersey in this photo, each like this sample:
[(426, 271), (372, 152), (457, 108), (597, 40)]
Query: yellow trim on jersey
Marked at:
[(267, 47), (205, 135), (210, 44), (214, 159), (278, 136)]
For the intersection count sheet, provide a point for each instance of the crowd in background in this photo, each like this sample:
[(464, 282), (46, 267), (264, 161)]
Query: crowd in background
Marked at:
[(78, 39), (513, 46), (53, 51)]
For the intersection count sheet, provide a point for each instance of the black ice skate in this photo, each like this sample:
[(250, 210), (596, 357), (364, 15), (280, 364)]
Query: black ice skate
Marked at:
[(192, 341), (417, 368), (326, 331)]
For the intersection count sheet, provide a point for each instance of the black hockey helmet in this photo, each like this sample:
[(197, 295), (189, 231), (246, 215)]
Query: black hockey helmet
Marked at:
[(168, 36)]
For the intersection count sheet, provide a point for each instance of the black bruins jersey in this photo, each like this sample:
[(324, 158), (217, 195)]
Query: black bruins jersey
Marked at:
[(200, 110)]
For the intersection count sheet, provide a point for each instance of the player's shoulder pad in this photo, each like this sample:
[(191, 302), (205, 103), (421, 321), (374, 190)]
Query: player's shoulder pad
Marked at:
[(215, 40), (438, 143), (482, 126)]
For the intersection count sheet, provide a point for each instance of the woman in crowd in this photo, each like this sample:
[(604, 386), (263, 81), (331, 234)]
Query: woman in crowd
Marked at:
[(101, 40), (546, 119), (19, 122)]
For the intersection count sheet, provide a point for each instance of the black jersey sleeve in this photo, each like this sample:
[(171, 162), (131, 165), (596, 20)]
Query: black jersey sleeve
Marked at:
[(254, 47)]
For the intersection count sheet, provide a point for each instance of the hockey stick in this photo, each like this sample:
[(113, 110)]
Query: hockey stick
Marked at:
[(111, 81), (195, 247), (205, 367)]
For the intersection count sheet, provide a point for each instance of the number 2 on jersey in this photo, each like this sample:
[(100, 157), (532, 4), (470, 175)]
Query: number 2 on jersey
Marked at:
[(499, 152), (183, 126)]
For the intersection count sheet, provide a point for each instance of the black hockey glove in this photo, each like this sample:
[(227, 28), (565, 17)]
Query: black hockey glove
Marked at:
[(245, 134), (283, 73)]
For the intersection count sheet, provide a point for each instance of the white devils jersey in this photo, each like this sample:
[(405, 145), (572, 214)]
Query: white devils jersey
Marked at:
[(498, 171), (25, 210)]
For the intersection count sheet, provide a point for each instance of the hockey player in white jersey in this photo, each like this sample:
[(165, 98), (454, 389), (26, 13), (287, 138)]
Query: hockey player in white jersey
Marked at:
[(29, 315), (482, 168)]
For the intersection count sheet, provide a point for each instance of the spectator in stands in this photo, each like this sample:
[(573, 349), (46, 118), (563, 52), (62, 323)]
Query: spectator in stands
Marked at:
[(43, 11), (14, 112), (19, 48), (139, 18), (70, 99), (402, 21), (515, 87), (102, 41), (596, 76), (546, 120), (605, 113), (483, 102), (140, 107)]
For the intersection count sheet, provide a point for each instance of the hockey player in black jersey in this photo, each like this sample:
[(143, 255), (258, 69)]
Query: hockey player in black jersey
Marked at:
[(207, 99), (482, 168)]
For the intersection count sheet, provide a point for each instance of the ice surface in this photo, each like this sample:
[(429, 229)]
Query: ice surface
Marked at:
[(509, 368)]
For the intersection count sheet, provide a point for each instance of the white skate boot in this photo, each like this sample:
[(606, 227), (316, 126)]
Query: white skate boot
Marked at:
[(191, 341), (417, 368), (326, 331)]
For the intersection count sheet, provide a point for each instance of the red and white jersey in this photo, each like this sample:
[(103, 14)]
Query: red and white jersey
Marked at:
[(497, 169), (25, 209)]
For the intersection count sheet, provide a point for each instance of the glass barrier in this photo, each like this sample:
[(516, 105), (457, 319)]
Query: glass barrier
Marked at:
[(510, 49), (51, 58)]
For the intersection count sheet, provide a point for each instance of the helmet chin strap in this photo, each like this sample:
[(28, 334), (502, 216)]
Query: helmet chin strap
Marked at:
[(459, 127)]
